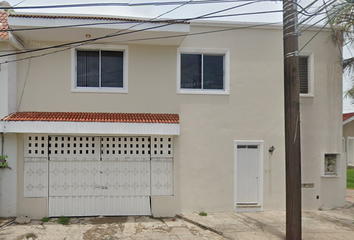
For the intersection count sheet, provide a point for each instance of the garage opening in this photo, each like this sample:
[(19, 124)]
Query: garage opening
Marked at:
[(98, 175)]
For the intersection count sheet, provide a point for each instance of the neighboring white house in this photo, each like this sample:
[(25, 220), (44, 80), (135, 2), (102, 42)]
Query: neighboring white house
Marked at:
[(348, 137), (160, 117)]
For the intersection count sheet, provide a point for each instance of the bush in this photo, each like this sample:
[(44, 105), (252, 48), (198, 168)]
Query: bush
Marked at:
[(203, 214), (63, 220), (350, 178)]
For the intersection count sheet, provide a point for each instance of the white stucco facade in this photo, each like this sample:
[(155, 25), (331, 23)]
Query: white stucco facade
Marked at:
[(204, 150)]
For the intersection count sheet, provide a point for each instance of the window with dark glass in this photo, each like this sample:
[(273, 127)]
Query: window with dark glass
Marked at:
[(202, 71), (99, 69), (304, 74)]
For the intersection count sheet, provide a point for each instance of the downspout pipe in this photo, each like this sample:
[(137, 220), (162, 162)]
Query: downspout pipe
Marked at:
[(2, 144)]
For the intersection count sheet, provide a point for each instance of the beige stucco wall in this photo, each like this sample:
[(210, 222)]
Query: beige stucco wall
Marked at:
[(321, 126), (8, 81), (9, 177), (204, 151)]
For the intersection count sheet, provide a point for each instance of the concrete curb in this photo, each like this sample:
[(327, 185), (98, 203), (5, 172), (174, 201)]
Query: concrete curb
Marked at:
[(201, 225), (7, 224)]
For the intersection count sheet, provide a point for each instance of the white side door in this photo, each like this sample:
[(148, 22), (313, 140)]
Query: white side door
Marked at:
[(247, 174)]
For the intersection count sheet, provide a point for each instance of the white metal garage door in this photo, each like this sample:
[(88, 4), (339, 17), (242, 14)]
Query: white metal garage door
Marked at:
[(98, 175)]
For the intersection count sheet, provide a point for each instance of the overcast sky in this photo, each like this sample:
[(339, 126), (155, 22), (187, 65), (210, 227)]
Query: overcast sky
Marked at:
[(184, 11)]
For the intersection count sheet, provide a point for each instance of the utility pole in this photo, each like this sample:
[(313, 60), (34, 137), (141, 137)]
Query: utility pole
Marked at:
[(292, 121)]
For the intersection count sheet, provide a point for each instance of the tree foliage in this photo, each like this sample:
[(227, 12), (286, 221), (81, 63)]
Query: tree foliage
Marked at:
[(341, 18)]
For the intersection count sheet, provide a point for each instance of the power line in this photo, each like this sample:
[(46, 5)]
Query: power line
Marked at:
[(124, 22), (18, 3), (160, 21), (119, 33), (142, 39), (70, 47), (333, 16), (165, 37), (128, 4)]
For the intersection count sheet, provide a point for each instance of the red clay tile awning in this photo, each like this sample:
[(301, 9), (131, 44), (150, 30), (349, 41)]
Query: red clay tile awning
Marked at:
[(4, 34), (347, 116), (92, 117), (91, 123)]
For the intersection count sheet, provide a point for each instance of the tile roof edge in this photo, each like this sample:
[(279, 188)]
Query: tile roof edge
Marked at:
[(92, 17), (7, 116), (172, 118)]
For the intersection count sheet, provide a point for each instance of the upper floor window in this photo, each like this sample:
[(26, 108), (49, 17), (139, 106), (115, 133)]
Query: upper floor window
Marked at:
[(306, 74), (203, 71), (100, 70)]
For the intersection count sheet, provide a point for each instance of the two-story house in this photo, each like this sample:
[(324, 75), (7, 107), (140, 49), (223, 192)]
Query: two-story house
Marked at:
[(111, 116)]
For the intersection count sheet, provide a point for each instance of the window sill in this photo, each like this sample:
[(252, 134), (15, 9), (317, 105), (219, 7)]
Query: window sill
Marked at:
[(201, 92), (99, 90), (307, 95), (330, 176)]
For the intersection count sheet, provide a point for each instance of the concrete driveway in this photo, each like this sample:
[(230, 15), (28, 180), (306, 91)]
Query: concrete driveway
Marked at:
[(332, 224), (108, 228)]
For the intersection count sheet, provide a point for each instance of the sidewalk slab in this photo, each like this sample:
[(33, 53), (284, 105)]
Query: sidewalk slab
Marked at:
[(332, 224)]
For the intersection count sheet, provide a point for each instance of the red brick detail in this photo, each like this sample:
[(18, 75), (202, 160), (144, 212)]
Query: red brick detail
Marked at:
[(92, 117), (4, 27), (347, 115)]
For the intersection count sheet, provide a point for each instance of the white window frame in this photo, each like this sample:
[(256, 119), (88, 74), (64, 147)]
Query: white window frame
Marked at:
[(225, 52), (311, 77), (98, 47)]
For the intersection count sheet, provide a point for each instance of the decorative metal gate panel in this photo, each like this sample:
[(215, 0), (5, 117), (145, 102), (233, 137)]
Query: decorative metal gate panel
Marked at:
[(98, 176), (162, 165), (35, 165), (87, 176)]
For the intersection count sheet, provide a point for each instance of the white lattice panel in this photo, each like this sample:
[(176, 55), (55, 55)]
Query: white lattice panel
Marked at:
[(36, 177), (74, 148), (162, 178), (161, 146), (35, 145), (125, 148), (93, 206)]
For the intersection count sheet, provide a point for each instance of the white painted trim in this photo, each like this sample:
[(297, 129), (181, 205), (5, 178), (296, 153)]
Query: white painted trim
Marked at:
[(348, 120), (254, 25), (16, 43), (18, 22), (90, 128), (123, 48), (311, 74), (260, 143), (225, 52)]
